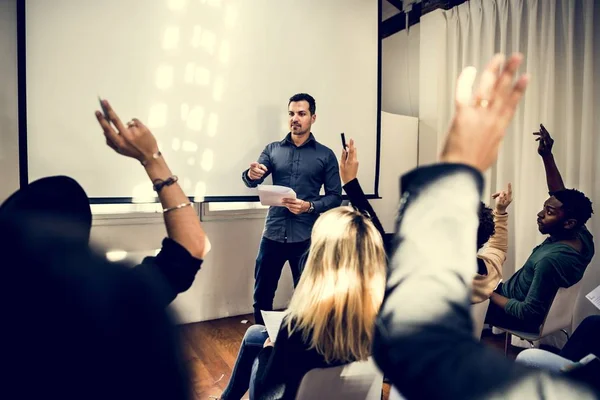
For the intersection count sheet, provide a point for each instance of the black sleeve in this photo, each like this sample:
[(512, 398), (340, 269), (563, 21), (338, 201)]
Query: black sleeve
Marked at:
[(172, 271), (360, 201), (269, 381)]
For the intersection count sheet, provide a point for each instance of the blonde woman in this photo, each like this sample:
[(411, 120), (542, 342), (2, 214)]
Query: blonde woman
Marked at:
[(330, 318)]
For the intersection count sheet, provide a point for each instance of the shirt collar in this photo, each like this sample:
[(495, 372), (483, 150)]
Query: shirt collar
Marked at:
[(310, 141)]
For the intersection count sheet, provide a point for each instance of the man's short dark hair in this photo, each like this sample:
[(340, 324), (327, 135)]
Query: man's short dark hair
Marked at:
[(312, 105), (575, 205), (486, 225)]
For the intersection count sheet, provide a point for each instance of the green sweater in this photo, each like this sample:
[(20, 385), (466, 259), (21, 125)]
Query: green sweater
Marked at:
[(550, 266)]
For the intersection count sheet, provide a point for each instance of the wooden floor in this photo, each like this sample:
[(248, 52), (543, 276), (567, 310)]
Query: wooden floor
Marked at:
[(211, 347)]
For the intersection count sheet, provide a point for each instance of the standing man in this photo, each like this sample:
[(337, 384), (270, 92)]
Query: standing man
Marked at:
[(301, 163)]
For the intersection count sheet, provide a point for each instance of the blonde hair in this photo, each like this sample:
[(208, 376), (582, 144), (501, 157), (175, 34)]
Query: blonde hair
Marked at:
[(341, 289)]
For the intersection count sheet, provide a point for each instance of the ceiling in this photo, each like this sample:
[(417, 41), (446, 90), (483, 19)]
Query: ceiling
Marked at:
[(388, 10)]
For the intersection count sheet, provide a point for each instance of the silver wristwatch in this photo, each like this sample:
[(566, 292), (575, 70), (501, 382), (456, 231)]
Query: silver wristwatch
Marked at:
[(311, 209)]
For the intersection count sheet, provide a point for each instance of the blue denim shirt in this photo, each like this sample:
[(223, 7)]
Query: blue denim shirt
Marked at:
[(305, 169)]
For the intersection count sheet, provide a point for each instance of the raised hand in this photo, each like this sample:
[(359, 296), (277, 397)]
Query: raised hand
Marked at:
[(480, 121), (132, 140), (256, 171), (545, 141), (349, 163), (503, 199)]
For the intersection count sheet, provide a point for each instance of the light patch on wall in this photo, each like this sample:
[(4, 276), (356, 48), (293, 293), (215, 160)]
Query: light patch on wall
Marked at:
[(224, 52), (191, 161), (158, 116), (196, 36), (202, 76), (171, 38), (207, 159), (187, 183), (190, 72), (176, 5), (196, 118), (176, 144), (208, 41), (185, 111), (189, 147), (231, 16), (143, 193), (199, 192), (164, 77), (116, 255), (213, 122), (218, 88)]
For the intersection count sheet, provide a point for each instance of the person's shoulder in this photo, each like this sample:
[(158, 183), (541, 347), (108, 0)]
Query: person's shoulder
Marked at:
[(324, 149)]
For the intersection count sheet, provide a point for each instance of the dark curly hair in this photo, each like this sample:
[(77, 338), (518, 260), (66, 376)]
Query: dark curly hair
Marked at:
[(575, 205), (486, 225)]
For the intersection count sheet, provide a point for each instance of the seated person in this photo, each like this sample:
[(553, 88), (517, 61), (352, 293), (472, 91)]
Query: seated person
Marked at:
[(523, 301), (330, 318), (79, 327), (63, 198), (493, 234), (584, 341), (574, 358), (423, 334)]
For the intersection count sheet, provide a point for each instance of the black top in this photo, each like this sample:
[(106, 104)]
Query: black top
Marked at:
[(171, 272), (282, 367)]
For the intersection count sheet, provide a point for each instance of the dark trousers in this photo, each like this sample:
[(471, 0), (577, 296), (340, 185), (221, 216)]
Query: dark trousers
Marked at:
[(271, 258)]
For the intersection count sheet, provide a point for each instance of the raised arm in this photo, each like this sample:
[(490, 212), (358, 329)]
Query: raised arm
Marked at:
[(187, 244), (499, 239), (348, 172), (545, 143)]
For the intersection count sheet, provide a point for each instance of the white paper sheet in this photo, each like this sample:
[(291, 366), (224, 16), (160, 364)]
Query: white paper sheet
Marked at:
[(272, 195), (594, 297), (273, 321)]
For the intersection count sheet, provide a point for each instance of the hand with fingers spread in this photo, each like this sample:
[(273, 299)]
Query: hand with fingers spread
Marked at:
[(480, 121), (545, 141), (132, 140), (503, 199), (349, 163), (256, 171), (296, 206)]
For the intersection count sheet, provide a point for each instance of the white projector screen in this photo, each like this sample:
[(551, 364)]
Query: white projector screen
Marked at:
[(211, 78)]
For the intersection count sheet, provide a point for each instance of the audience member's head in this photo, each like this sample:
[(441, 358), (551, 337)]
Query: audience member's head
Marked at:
[(342, 286), (58, 196), (486, 225), (81, 327), (565, 211)]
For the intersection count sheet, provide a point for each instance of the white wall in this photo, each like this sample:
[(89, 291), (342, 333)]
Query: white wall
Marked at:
[(400, 72), (9, 128)]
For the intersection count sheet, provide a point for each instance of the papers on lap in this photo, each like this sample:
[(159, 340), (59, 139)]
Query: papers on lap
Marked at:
[(594, 297), (273, 321), (272, 195)]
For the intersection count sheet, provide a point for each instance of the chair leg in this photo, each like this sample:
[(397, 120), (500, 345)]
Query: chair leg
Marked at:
[(506, 336)]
